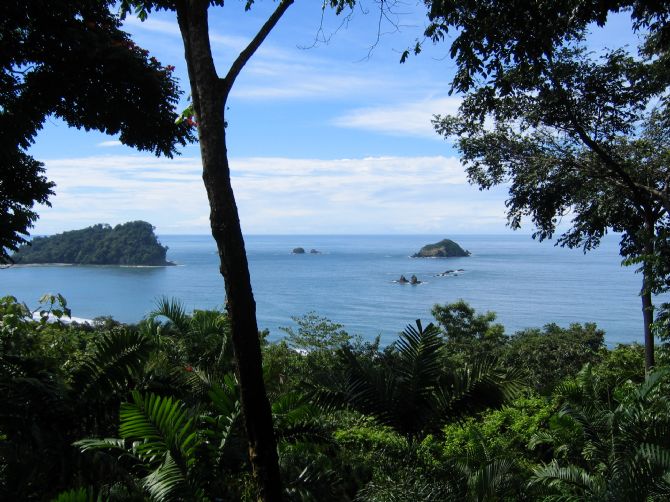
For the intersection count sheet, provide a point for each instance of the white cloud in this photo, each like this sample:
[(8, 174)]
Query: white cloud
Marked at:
[(153, 24), (274, 195), (172, 28), (412, 118), (110, 143)]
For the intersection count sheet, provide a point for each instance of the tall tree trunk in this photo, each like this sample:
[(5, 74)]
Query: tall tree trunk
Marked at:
[(648, 319), (209, 97), (645, 294)]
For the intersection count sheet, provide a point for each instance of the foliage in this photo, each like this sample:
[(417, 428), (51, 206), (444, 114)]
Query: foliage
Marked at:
[(574, 133), (488, 36), (368, 424), (71, 60), (468, 335), (164, 440), (315, 333), (132, 243), (22, 185), (410, 390), (547, 356), (57, 384), (506, 431), (624, 442), (619, 366)]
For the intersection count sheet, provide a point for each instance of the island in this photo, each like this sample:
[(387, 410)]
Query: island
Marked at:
[(298, 251), (130, 244), (446, 248)]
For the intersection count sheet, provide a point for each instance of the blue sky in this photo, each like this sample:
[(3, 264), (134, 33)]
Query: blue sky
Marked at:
[(325, 137)]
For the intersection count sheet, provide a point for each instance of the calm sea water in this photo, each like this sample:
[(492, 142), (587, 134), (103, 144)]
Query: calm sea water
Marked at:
[(528, 284)]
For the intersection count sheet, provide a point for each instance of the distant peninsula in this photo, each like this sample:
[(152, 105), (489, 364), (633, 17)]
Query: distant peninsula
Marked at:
[(446, 248), (131, 244)]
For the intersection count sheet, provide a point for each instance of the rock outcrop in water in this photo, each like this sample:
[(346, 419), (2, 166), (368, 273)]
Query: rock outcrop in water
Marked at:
[(132, 244), (446, 248), (298, 251)]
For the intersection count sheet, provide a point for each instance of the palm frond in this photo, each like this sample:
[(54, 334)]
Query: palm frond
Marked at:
[(116, 359), (491, 479), (569, 481), (478, 385), (656, 455), (419, 361), (169, 482), (162, 426), (222, 423), (174, 311)]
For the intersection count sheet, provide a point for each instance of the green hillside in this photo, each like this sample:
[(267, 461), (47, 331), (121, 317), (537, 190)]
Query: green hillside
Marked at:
[(132, 243)]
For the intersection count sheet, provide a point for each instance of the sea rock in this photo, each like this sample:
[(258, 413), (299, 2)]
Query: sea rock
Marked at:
[(298, 251), (450, 273), (446, 248), (314, 251)]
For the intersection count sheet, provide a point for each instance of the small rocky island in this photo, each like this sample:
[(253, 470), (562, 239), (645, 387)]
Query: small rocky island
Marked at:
[(302, 251), (130, 244), (446, 248), (403, 280)]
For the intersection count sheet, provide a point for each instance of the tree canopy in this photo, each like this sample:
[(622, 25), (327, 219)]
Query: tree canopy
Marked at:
[(71, 60), (579, 137)]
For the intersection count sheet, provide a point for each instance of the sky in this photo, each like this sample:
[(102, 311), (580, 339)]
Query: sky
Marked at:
[(327, 134)]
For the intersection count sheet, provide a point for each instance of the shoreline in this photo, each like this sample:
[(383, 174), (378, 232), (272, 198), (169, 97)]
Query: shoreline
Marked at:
[(56, 264)]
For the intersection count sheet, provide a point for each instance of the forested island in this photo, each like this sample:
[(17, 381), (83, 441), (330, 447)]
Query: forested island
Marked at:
[(132, 244), (446, 248)]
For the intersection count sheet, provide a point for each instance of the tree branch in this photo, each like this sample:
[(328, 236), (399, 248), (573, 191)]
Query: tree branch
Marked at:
[(244, 56)]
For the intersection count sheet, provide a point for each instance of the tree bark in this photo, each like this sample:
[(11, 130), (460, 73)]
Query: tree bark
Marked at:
[(645, 293), (209, 97)]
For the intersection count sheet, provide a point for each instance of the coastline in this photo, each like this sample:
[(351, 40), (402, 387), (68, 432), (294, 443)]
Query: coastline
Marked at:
[(27, 265)]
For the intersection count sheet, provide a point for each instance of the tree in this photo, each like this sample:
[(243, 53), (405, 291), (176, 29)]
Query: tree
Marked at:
[(572, 135), (210, 93), (71, 60), (548, 356), (495, 38), (469, 335)]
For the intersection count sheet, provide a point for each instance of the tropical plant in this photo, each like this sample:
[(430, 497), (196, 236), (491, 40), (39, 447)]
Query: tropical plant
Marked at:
[(160, 436), (197, 340), (623, 443), (46, 403), (408, 388)]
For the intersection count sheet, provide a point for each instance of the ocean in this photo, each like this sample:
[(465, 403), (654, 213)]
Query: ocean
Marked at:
[(351, 282)]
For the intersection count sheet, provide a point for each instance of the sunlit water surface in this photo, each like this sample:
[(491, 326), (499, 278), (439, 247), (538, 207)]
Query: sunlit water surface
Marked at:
[(351, 282)]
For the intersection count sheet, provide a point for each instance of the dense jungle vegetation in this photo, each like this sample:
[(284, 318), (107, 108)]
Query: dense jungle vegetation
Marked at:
[(132, 243), (455, 410)]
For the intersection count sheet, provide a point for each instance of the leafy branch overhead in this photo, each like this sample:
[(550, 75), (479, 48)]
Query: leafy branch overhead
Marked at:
[(581, 140), (71, 60)]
